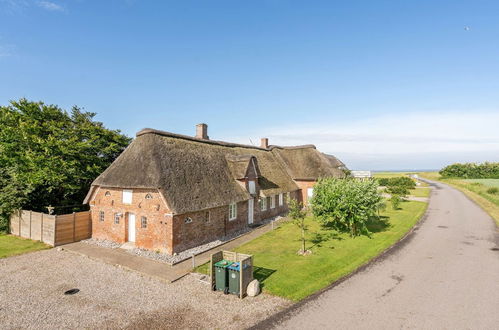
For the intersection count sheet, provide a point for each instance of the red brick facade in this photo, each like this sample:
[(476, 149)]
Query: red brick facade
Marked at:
[(166, 232), (304, 185)]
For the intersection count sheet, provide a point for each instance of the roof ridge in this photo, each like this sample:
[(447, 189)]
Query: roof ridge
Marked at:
[(145, 131)]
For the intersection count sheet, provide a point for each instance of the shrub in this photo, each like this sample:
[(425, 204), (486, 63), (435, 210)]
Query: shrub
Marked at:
[(395, 200), (493, 190), (471, 171), (346, 205)]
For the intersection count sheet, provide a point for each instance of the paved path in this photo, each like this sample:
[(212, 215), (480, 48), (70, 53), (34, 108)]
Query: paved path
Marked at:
[(157, 269), (446, 276)]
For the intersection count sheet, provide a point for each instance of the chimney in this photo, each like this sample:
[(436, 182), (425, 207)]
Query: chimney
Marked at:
[(202, 131), (264, 143)]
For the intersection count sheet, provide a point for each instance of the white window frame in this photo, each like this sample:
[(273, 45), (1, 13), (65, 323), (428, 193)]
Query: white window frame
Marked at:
[(281, 199), (252, 187), (101, 216), (188, 220), (232, 211), (143, 222), (117, 218), (127, 196), (272, 202), (263, 204)]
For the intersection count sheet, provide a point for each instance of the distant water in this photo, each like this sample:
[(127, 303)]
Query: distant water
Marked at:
[(411, 170)]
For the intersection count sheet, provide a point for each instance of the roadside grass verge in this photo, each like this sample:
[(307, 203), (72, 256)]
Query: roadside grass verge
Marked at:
[(12, 246), (420, 192), (476, 189), (284, 273)]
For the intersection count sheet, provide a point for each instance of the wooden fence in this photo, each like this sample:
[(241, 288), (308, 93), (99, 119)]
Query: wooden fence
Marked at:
[(51, 229)]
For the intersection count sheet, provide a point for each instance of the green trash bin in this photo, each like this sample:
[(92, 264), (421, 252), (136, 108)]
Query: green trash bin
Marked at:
[(234, 275), (221, 278)]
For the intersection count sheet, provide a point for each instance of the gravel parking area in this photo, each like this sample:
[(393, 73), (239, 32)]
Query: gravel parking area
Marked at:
[(33, 286)]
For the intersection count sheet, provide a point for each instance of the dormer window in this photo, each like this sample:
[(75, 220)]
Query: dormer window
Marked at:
[(127, 196), (107, 194), (252, 187)]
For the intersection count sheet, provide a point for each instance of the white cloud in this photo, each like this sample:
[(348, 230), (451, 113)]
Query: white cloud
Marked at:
[(403, 141), (51, 6)]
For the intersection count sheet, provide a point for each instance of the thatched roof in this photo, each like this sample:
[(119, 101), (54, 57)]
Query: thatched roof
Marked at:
[(335, 162), (197, 174), (307, 163), (193, 174)]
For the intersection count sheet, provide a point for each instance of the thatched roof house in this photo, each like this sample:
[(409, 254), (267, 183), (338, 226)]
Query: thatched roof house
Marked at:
[(193, 174)]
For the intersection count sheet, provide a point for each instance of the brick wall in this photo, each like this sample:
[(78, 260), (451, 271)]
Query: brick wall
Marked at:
[(156, 236), (304, 185)]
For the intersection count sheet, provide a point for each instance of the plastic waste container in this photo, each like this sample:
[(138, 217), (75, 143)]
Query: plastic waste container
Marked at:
[(234, 274), (221, 278)]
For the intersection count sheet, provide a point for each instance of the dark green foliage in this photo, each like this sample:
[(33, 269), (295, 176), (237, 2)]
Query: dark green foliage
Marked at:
[(50, 157), (493, 190), (397, 185), (346, 205), (471, 171)]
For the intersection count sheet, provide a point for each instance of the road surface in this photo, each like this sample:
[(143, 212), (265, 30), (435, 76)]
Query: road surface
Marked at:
[(446, 276)]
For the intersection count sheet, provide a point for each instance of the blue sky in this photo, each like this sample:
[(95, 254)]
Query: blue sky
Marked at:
[(381, 84)]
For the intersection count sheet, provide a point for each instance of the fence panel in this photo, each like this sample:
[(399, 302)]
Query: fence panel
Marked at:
[(52, 229)]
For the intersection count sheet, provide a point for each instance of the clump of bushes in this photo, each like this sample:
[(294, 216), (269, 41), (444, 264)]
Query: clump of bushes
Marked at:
[(471, 171), (395, 200), (346, 205), (398, 185), (493, 190)]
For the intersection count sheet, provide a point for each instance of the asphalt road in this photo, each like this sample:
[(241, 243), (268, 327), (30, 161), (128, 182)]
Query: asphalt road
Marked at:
[(446, 276)]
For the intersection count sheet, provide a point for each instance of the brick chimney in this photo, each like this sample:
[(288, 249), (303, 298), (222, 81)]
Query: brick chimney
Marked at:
[(202, 131), (264, 143)]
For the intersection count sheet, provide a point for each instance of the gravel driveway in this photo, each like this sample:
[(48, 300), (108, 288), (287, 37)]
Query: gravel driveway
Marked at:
[(32, 287)]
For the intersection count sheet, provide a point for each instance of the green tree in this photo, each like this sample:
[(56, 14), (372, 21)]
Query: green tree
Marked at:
[(346, 205), (50, 157), (298, 214)]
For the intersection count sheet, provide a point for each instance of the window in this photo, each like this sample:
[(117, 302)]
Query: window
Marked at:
[(127, 196), (116, 218), (251, 187), (143, 222), (108, 193), (288, 197), (101, 216), (207, 216), (148, 196), (188, 220), (232, 211), (263, 203), (281, 199), (272, 202)]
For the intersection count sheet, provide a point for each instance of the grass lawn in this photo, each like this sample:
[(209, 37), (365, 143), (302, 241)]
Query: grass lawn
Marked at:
[(12, 245), (476, 189), (420, 192), (284, 273)]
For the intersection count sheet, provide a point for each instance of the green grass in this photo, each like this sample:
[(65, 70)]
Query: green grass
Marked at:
[(391, 174), (284, 273), (476, 189), (12, 245), (486, 182), (420, 192)]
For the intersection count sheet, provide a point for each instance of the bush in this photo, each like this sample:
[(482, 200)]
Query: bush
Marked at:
[(346, 205), (471, 171), (493, 190), (398, 185), (396, 200)]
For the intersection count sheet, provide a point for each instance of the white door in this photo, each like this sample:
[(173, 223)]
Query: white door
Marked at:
[(131, 227), (251, 208), (310, 194)]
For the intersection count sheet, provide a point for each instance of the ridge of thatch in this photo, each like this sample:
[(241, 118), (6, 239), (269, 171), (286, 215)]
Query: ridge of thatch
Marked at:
[(307, 163), (239, 165)]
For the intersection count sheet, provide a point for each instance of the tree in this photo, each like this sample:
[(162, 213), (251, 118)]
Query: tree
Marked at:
[(346, 205), (298, 214), (50, 157)]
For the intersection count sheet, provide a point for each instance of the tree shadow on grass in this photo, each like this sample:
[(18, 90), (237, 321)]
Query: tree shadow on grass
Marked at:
[(379, 224), (261, 274), (320, 237)]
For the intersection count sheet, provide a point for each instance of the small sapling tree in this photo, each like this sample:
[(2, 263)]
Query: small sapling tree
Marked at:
[(298, 214)]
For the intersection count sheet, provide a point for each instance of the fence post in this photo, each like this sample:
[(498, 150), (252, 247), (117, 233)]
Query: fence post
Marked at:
[(74, 226), (193, 261), (30, 213), (41, 227)]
